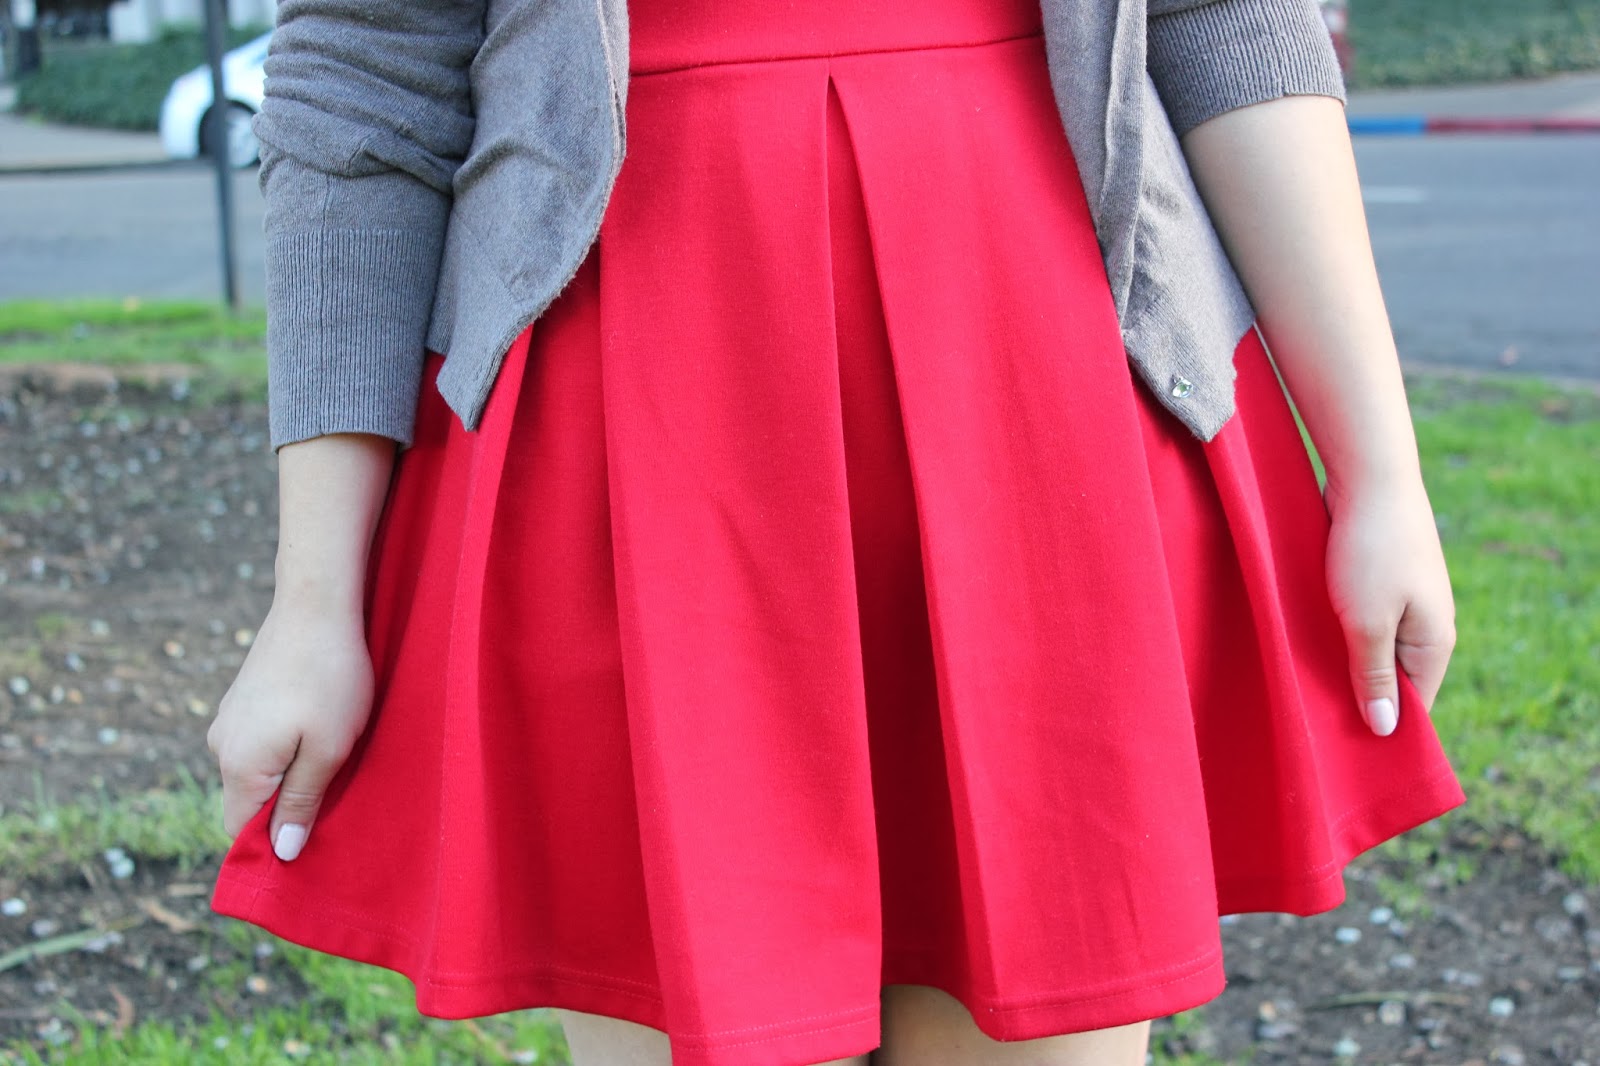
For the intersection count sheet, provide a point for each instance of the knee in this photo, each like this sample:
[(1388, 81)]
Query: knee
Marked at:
[(929, 1027)]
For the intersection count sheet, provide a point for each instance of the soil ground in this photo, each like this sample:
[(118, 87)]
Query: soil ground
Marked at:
[(137, 532)]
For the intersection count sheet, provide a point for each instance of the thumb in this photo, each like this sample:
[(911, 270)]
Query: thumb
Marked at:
[(299, 798), (1372, 671)]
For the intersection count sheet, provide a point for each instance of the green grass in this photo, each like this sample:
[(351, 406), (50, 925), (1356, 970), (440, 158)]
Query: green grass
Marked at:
[(133, 332), (353, 1013), (43, 837), (350, 1014), (52, 625), (31, 502), (1422, 856), (1175, 1032), (1431, 42), (1514, 475)]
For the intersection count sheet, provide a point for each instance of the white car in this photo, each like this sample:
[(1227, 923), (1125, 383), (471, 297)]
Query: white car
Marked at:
[(183, 112)]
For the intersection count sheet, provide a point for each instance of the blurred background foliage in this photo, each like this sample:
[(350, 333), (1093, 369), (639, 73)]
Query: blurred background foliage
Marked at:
[(116, 86), (1434, 42)]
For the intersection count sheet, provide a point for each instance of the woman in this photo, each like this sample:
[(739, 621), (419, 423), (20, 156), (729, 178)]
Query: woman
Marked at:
[(832, 596)]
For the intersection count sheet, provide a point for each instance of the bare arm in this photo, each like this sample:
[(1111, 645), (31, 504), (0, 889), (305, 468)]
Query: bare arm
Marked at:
[(367, 117), (330, 493), (304, 693), (1279, 180)]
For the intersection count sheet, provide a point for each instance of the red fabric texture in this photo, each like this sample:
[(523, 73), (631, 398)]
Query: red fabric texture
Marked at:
[(822, 603)]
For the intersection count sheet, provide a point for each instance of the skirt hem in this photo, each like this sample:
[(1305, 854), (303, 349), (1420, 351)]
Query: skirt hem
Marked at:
[(1322, 889), (313, 921), (289, 915)]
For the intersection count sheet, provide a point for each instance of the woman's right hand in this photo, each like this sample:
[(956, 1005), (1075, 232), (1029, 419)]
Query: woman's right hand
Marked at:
[(291, 717), (305, 691)]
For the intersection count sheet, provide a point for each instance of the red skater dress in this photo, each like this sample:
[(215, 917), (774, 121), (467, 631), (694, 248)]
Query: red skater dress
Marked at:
[(822, 602)]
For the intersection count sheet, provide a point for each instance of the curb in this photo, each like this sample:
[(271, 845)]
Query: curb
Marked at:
[(1573, 382), (1359, 125), (1417, 125), (45, 169)]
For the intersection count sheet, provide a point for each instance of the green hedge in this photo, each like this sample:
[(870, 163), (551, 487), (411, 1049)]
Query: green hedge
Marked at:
[(1433, 42), (118, 86)]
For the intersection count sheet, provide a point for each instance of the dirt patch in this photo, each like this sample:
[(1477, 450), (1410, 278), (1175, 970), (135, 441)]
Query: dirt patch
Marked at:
[(137, 531), (147, 947), (1504, 968)]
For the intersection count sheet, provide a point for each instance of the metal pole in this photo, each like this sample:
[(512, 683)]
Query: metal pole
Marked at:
[(217, 137), (24, 20)]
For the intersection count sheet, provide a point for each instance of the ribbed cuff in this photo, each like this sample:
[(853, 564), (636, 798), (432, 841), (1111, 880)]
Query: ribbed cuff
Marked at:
[(347, 312), (1218, 56)]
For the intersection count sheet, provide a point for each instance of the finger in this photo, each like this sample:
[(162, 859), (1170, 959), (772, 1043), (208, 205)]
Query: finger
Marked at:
[(1372, 672), (1423, 648), (299, 798), (244, 791)]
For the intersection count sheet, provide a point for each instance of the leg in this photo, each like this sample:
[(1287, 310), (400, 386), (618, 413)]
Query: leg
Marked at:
[(595, 1040), (925, 1026)]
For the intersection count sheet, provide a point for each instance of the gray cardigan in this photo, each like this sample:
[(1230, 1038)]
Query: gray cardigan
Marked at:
[(435, 171)]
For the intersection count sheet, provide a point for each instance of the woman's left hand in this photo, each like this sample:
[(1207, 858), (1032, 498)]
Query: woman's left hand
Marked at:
[(1387, 579), (1280, 182)]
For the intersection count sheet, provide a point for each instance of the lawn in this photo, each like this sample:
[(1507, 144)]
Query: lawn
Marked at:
[(135, 332), (1514, 475), (1513, 469)]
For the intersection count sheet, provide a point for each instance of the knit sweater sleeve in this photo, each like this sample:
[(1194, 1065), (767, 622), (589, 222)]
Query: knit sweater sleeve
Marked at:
[(366, 118), (1211, 56)]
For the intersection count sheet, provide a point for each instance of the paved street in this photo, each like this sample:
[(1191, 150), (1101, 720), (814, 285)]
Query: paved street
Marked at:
[(1487, 248), (143, 231), (1486, 245)]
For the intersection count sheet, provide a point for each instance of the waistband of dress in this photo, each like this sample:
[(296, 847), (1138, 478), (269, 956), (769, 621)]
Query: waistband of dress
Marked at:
[(666, 36)]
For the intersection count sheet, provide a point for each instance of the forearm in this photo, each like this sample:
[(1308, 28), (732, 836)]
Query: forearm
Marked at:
[(331, 490), (1279, 180)]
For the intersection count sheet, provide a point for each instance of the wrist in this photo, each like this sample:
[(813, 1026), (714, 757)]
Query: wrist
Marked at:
[(1368, 448), (323, 591), (1353, 482)]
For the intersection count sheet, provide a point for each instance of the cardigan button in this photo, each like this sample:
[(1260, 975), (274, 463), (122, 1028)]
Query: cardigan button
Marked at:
[(1181, 386)]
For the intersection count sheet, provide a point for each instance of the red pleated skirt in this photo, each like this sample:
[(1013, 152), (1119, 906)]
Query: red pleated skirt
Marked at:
[(822, 603)]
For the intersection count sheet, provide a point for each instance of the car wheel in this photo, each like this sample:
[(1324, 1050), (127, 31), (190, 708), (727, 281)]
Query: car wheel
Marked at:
[(243, 148)]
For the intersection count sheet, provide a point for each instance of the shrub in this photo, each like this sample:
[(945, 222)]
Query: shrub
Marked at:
[(119, 86), (1430, 42)]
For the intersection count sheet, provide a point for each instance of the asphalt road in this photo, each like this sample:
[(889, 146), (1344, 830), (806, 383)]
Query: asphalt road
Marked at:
[(149, 232), (1489, 247)]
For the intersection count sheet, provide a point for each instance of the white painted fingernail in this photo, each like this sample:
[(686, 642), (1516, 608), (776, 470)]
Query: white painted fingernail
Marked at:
[(291, 838), (1381, 716)]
